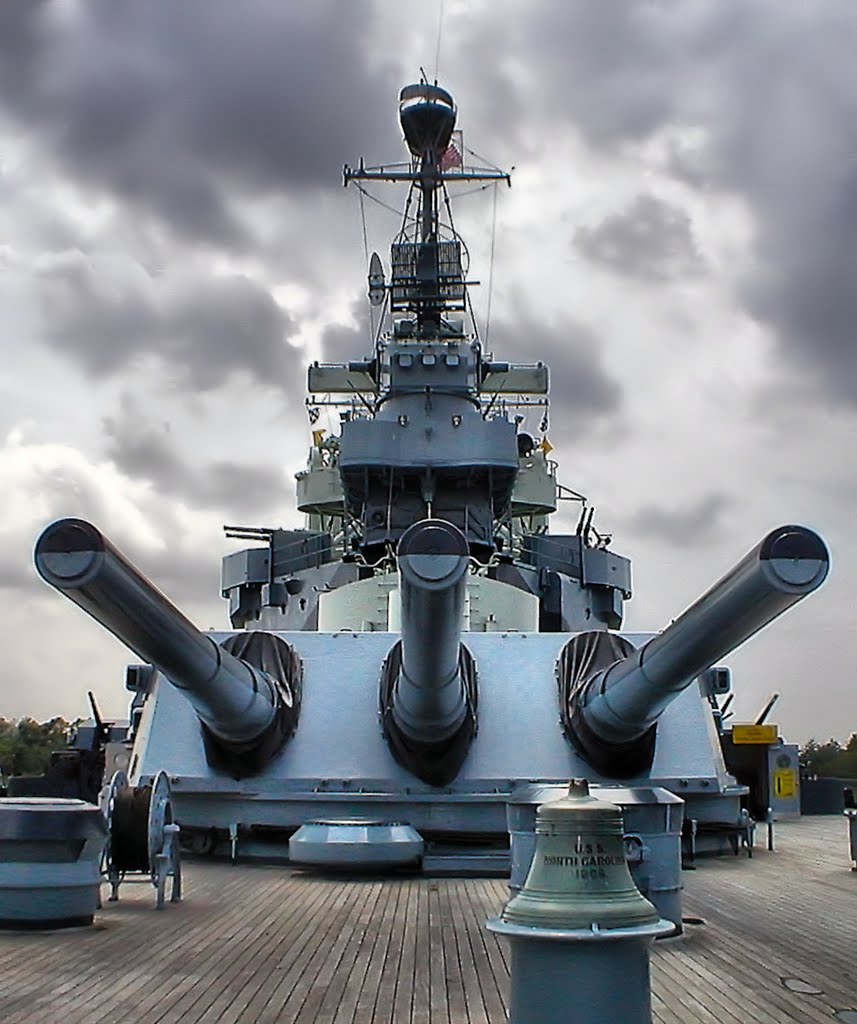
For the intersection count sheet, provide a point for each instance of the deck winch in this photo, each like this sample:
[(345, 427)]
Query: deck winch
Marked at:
[(142, 836)]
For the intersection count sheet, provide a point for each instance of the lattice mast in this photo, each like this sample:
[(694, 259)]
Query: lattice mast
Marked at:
[(427, 277)]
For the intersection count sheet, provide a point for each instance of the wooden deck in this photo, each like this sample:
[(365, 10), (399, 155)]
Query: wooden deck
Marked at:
[(257, 945)]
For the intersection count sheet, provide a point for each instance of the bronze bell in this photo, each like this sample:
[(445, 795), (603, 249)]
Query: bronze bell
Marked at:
[(579, 878)]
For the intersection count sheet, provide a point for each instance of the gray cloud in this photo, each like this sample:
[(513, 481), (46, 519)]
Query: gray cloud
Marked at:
[(804, 287), (146, 450), (683, 527), (202, 328), (58, 482), (749, 98), (185, 119), (343, 342), (581, 389), (651, 240), (16, 569), (175, 109), (609, 70)]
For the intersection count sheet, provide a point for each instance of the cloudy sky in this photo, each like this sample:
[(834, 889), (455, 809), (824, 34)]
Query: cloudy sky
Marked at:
[(678, 244)]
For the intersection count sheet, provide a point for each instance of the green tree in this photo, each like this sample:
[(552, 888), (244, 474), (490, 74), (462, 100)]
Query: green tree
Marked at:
[(25, 746), (830, 759)]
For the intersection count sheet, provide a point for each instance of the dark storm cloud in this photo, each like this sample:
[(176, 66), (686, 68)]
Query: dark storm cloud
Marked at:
[(683, 527), (146, 450), (178, 109), (187, 111), (201, 328), (808, 292), (143, 449), (756, 99), (651, 240), (581, 389), (796, 162)]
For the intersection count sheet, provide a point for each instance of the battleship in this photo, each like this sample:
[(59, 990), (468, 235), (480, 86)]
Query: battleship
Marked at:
[(399, 671), (424, 645)]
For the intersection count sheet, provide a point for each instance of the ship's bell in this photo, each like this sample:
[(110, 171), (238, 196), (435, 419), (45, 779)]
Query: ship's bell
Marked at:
[(579, 878)]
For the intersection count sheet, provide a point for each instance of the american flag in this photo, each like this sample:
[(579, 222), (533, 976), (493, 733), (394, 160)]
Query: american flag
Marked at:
[(453, 156)]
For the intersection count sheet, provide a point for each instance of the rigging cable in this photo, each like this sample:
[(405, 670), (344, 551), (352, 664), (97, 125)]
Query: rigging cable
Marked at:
[(491, 267), (366, 264), (375, 199), (488, 163), (437, 50)]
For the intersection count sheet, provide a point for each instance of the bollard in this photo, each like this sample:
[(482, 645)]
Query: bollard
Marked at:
[(579, 930), (851, 815), (49, 862)]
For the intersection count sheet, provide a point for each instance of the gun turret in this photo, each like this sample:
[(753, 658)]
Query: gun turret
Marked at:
[(248, 705), (611, 707), (428, 682)]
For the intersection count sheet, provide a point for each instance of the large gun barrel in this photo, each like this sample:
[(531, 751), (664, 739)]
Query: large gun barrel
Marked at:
[(617, 707), (240, 705), (428, 683)]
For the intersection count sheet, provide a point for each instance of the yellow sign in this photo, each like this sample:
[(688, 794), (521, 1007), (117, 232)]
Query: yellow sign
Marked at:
[(766, 734), (785, 783)]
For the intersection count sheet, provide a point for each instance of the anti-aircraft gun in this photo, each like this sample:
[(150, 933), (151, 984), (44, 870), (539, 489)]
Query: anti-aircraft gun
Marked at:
[(424, 645)]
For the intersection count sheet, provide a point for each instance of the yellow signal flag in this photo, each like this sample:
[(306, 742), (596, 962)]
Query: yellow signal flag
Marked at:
[(546, 446), (317, 435)]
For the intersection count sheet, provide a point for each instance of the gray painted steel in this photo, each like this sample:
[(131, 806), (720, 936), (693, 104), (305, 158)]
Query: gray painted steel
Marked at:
[(429, 701), (49, 861), (236, 701), (579, 977), (624, 700), (432, 428), (851, 818), (356, 843), (338, 764)]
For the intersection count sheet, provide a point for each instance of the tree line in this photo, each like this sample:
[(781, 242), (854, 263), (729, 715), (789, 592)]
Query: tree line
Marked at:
[(26, 745), (830, 759)]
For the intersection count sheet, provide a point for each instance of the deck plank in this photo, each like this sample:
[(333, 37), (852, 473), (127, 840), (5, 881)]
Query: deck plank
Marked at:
[(259, 945)]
